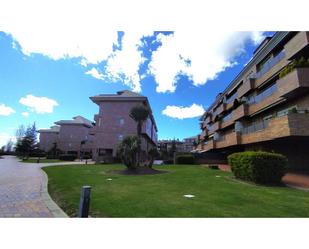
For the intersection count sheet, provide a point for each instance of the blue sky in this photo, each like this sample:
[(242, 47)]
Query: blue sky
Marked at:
[(170, 69)]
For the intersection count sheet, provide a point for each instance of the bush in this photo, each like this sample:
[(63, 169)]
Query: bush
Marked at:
[(213, 166), (259, 167), (302, 62), (67, 157), (170, 161), (185, 159)]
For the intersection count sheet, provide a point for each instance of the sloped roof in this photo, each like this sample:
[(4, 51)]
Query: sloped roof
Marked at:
[(53, 129), (78, 120)]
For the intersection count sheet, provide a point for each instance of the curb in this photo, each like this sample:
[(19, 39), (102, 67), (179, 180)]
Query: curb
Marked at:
[(56, 211)]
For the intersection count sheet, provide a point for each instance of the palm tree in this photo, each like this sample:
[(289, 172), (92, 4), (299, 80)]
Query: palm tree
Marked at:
[(139, 114), (127, 151)]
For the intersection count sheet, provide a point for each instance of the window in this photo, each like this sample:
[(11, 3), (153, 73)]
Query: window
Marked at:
[(99, 122), (121, 121), (105, 152), (70, 145), (120, 137)]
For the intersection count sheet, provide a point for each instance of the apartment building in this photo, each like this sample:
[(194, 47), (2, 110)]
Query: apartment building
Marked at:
[(71, 136), (182, 146), (168, 144), (113, 123), (189, 143), (266, 107), (48, 137)]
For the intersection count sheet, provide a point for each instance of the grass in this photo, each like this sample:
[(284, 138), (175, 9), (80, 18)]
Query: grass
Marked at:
[(42, 160), (217, 194)]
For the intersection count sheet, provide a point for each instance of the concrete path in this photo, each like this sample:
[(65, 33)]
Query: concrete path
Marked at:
[(23, 189)]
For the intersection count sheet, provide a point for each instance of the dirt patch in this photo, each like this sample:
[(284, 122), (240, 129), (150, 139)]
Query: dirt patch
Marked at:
[(139, 171)]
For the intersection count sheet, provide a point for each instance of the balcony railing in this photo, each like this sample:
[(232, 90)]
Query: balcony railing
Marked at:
[(295, 80), (255, 126), (263, 95), (269, 64)]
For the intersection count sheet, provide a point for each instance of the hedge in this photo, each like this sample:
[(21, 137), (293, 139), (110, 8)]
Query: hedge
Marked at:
[(67, 157), (185, 159), (259, 167)]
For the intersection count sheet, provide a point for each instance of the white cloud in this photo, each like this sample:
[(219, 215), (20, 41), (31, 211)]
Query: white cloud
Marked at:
[(200, 55), (95, 73), (25, 114), (83, 30), (124, 64), (38, 104), (6, 110), (181, 112), (59, 29)]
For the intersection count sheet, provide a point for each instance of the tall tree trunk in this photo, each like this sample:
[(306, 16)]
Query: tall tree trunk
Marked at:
[(139, 131)]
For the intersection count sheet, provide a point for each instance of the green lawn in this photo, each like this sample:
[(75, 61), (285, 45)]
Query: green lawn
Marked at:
[(34, 160), (162, 195)]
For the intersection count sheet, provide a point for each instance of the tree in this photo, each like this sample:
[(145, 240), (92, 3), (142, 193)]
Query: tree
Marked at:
[(139, 114), (128, 151), (20, 132), (153, 153), (27, 143)]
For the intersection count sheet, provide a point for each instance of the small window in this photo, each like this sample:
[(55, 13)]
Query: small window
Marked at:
[(99, 122), (121, 121), (70, 145), (120, 137)]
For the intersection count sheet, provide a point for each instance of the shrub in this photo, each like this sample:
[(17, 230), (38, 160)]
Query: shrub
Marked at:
[(213, 166), (185, 159), (169, 161), (302, 62), (67, 157), (259, 167), (128, 150)]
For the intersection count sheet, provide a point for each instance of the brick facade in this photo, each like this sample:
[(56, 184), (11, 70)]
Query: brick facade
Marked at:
[(271, 109)]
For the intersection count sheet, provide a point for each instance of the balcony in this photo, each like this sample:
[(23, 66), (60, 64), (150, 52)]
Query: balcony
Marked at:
[(204, 134), (216, 126), (273, 67), (264, 100), (246, 87), (240, 111), (294, 82), (293, 124), (208, 119), (221, 108), (227, 120), (296, 44), (231, 139), (209, 145)]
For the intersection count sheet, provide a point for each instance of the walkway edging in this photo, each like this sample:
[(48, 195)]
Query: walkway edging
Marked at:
[(56, 211)]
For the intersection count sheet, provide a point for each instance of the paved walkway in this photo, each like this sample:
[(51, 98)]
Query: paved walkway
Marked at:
[(23, 189)]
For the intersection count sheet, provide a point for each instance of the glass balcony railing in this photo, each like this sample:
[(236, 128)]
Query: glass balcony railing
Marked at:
[(231, 98), (269, 64), (263, 95), (227, 117), (255, 126)]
